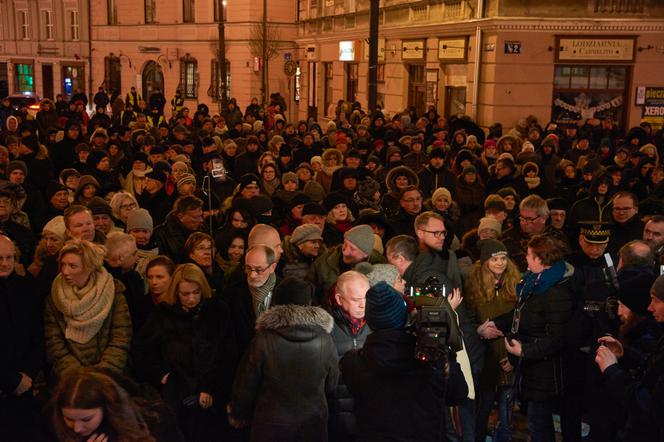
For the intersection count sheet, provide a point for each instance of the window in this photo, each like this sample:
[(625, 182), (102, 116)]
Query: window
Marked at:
[(215, 86), (25, 80), (329, 76), (47, 20), (150, 11), (188, 10), (112, 73), (188, 77), (352, 81), (23, 25), (74, 28), (112, 12)]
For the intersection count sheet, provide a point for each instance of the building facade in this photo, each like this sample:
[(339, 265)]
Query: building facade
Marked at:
[(174, 45), (495, 60), (44, 47)]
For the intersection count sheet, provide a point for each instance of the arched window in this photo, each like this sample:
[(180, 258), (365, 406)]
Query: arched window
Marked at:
[(112, 73), (188, 76)]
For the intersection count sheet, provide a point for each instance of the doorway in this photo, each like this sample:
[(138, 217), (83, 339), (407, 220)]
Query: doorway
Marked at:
[(417, 88), (455, 101), (47, 81), (153, 78)]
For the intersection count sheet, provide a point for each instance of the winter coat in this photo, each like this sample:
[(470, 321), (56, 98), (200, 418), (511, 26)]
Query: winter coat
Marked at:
[(296, 265), (471, 204), (170, 238), (327, 268), (432, 179), (397, 397), (623, 233), (196, 348), (21, 331), (108, 350), (544, 317), (158, 204), (22, 237), (284, 376)]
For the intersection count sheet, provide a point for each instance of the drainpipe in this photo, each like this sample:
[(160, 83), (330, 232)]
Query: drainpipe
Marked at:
[(479, 14), (90, 88)]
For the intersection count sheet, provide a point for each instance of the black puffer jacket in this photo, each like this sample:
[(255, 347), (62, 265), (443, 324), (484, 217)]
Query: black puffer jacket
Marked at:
[(544, 318), (284, 376)]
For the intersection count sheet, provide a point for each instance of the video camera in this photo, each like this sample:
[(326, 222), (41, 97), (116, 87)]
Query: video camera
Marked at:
[(431, 322), (609, 306)]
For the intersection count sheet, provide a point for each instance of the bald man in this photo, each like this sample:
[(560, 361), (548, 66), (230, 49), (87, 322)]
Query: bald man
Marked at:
[(21, 347)]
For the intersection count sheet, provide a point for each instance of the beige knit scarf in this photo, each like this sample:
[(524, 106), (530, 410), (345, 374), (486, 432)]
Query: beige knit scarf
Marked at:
[(84, 309)]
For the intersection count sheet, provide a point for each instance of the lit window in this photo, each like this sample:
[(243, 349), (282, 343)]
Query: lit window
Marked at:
[(24, 78)]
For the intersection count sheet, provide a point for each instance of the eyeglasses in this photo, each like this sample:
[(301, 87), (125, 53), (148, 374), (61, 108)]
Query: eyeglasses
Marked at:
[(257, 270), (412, 200), (436, 233), (524, 219), (622, 209), (203, 248), (128, 206)]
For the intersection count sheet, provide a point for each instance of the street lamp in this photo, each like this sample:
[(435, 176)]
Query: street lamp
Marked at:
[(222, 56)]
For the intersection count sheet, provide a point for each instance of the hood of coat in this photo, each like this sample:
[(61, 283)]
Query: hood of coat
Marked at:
[(296, 322)]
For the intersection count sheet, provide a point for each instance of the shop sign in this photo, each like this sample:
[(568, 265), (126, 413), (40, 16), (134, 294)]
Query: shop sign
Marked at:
[(413, 50), (596, 49), (572, 106), (653, 107), (381, 49), (346, 51), (453, 49)]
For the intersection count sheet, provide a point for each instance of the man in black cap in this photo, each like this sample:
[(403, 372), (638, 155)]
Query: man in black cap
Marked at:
[(313, 213), (154, 198), (102, 215), (557, 212), (436, 174)]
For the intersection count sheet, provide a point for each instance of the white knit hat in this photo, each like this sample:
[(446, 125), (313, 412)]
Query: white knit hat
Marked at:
[(56, 226)]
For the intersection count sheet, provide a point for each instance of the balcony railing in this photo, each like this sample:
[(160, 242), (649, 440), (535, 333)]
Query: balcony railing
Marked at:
[(619, 6)]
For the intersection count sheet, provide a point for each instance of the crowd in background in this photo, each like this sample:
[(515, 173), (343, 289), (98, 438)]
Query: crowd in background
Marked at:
[(176, 274)]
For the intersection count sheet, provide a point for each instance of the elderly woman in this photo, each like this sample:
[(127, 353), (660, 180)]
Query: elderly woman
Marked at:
[(339, 219), (200, 251), (44, 266), (86, 319), (121, 204), (187, 349)]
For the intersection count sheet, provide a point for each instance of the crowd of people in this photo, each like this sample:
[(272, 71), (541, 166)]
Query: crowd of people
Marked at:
[(236, 276)]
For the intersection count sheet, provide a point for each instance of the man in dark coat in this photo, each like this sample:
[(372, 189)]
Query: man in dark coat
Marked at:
[(288, 369), (247, 161), (18, 233), (384, 376), (410, 202), (185, 219), (154, 198), (627, 224), (436, 174), (21, 348)]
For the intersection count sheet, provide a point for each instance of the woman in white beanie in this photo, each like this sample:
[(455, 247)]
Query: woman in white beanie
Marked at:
[(52, 240)]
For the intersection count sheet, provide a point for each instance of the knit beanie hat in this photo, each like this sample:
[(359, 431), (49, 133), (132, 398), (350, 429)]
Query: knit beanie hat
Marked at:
[(490, 248), (385, 308), (17, 165), (99, 206), (315, 191), (306, 232), (639, 280), (52, 188), (490, 223), (293, 291), (362, 237), (139, 219), (316, 159), (157, 176), (289, 177), (313, 209), (657, 289), (56, 226), (378, 272), (186, 178), (442, 193), (469, 169), (95, 158)]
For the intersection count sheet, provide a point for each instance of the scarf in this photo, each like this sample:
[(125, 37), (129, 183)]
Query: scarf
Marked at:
[(84, 309), (539, 283), (532, 182), (262, 296)]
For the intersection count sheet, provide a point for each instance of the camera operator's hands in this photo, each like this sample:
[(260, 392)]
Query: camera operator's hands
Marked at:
[(455, 298), (605, 358), (237, 424), (488, 330), (612, 344), (505, 365), (513, 347)]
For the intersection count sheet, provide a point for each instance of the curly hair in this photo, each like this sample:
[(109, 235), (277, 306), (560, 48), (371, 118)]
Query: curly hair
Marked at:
[(548, 249), (481, 283), (88, 388)]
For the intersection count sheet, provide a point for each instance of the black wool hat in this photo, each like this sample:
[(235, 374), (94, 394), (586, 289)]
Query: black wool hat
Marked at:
[(437, 152), (333, 199), (313, 209), (140, 156), (490, 248), (639, 281), (99, 206), (157, 175), (299, 198), (557, 204), (249, 178), (258, 205), (293, 291), (95, 158), (52, 188)]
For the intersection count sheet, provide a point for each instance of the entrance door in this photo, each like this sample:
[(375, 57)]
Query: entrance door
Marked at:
[(312, 104), (455, 101), (153, 78), (417, 88), (47, 81)]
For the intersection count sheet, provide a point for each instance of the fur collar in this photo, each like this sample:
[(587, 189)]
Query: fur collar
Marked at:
[(284, 316)]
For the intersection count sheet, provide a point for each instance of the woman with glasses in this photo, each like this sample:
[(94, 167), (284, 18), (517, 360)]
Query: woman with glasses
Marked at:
[(199, 249), (187, 350), (121, 204)]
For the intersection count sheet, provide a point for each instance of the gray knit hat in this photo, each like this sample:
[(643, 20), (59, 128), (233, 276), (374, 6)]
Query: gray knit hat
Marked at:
[(139, 219), (362, 237), (306, 232), (186, 178), (657, 289), (289, 176), (378, 272)]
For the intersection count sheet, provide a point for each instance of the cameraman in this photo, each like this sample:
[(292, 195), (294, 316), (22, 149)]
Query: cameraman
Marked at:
[(642, 397), (384, 376)]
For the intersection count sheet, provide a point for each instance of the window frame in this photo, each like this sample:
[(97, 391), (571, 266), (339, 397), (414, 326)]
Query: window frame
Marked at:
[(189, 77), (23, 23), (188, 11), (150, 11), (17, 75), (49, 26), (74, 24)]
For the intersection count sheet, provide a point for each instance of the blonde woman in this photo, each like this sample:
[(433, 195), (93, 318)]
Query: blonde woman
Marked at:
[(491, 291), (121, 204), (86, 319), (187, 350)]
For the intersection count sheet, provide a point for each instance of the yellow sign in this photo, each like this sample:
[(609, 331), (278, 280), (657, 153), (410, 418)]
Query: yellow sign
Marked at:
[(596, 49), (452, 49), (381, 49), (413, 50)]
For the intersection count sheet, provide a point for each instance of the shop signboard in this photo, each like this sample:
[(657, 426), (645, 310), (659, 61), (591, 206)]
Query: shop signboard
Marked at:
[(346, 51), (595, 49), (453, 50), (653, 107), (413, 50)]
